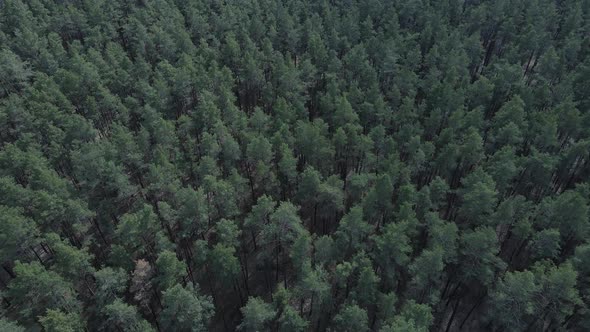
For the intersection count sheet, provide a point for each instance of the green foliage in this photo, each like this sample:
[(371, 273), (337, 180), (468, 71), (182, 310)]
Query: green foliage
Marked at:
[(257, 314), (479, 197), (228, 232), (290, 321), (110, 283), (125, 317), (426, 269), (170, 269), (413, 317), (14, 73), (356, 165), (139, 228), (351, 318), (479, 258), (284, 223), (57, 321), (224, 263), (9, 326), (17, 233), (514, 300), (34, 290), (392, 248), (521, 298), (546, 244), (70, 262), (352, 231), (185, 309), (365, 291)]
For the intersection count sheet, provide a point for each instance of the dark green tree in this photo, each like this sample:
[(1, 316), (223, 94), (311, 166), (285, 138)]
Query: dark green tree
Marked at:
[(185, 309)]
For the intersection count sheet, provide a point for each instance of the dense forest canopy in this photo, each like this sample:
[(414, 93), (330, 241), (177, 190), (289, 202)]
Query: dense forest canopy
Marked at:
[(294, 165)]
